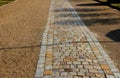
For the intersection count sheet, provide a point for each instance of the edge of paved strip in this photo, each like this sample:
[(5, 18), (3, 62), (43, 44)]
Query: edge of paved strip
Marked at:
[(91, 38), (41, 60)]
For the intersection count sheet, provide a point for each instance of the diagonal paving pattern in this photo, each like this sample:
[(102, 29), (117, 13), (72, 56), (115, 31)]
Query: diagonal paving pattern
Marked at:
[(69, 49)]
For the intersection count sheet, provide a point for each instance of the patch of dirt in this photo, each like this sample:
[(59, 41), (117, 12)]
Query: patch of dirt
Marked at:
[(21, 25), (104, 22)]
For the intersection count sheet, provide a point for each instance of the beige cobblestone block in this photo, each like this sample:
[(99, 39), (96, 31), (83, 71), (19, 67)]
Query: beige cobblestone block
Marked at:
[(48, 72), (104, 66)]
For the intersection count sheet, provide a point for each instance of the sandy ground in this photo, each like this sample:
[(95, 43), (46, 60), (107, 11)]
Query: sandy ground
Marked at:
[(21, 25), (104, 22)]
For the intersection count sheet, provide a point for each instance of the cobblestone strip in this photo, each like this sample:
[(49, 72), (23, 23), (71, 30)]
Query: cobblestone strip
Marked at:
[(41, 61), (69, 49)]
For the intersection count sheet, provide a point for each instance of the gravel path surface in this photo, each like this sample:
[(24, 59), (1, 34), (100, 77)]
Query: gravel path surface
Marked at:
[(21, 25)]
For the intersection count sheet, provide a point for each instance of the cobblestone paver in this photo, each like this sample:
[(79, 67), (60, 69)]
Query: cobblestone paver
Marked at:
[(69, 49)]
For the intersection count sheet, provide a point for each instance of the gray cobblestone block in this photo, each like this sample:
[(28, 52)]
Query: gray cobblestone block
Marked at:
[(112, 65), (100, 71), (40, 66), (110, 62), (102, 62), (72, 73), (81, 60), (68, 77), (88, 66), (85, 63), (56, 62), (83, 70), (41, 61), (88, 60), (99, 57), (90, 74), (42, 55), (73, 66), (110, 76), (39, 72), (81, 73), (117, 75), (115, 70), (93, 71), (38, 76), (80, 66), (95, 61), (76, 63), (48, 67), (105, 55), (64, 73), (66, 66), (69, 62), (96, 67), (55, 72)]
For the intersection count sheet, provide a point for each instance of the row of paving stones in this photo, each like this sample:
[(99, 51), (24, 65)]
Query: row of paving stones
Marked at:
[(69, 49)]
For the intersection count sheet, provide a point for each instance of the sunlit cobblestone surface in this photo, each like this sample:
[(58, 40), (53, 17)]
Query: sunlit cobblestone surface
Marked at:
[(69, 49)]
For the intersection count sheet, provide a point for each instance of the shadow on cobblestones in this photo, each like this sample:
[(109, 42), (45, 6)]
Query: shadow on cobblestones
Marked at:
[(114, 35), (67, 22), (88, 22), (67, 15), (83, 15)]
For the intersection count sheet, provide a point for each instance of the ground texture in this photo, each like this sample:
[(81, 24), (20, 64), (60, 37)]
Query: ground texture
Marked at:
[(69, 49), (21, 25), (104, 22)]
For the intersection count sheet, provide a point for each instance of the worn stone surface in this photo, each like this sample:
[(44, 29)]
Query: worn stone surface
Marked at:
[(70, 49)]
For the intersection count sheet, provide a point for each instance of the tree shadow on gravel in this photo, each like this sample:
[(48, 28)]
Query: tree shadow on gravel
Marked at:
[(91, 4), (114, 35), (94, 14), (77, 10), (102, 21)]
